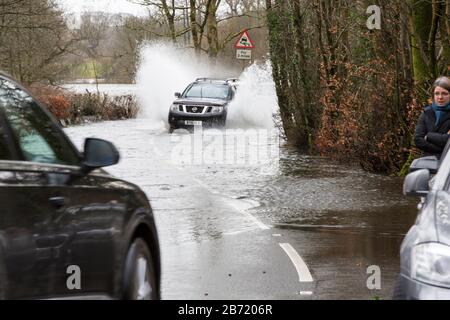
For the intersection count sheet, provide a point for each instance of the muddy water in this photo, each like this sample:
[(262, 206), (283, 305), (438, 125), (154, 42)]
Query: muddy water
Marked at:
[(314, 191), (305, 191), (339, 218), (288, 189)]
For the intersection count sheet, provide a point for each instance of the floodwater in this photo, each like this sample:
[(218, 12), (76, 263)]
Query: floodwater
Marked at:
[(109, 89), (308, 190), (226, 200), (207, 190)]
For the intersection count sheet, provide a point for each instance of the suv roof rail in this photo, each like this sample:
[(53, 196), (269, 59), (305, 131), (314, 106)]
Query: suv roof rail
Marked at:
[(208, 79)]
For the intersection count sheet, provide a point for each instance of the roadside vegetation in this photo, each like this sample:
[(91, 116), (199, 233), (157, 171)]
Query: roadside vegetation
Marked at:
[(75, 108), (353, 92)]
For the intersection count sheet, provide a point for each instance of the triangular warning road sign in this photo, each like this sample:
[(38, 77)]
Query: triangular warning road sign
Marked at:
[(244, 41)]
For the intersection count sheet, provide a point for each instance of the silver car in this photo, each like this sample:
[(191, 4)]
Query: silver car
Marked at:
[(425, 250)]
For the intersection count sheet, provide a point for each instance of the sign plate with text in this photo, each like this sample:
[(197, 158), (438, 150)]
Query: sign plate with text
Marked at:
[(244, 54)]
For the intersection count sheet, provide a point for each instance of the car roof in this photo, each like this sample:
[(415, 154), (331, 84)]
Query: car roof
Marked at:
[(229, 81)]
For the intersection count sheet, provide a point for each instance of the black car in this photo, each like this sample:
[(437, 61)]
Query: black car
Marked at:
[(68, 229), (203, 103)]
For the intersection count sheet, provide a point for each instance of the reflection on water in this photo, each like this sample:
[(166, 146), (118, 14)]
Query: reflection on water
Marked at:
[(342, 220), (340, 260), (314, 191), (293, 189), (339, 218)]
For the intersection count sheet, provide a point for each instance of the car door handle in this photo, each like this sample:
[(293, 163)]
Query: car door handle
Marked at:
[(58, 202)]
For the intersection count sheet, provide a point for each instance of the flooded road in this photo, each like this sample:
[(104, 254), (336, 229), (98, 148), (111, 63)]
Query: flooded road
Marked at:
[(240, 216)]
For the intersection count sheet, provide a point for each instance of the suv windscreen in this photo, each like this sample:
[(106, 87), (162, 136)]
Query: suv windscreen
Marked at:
[(208, 90)]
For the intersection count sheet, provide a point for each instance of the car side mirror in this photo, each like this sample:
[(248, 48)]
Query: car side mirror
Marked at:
[(99, 153), (177, 94), (431, 163), (416, 183)]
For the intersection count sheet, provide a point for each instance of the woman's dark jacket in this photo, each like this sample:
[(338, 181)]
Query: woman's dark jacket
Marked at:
[(431, 138)]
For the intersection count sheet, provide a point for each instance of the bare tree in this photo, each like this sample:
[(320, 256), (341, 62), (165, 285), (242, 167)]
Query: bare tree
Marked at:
[(169, 9), (33, 38), (203, 21)]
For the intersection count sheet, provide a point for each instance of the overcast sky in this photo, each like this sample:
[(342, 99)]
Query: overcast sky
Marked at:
[(113, 6)]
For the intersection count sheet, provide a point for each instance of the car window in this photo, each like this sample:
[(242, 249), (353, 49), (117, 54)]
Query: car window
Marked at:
[(39, 139), (208, 91)]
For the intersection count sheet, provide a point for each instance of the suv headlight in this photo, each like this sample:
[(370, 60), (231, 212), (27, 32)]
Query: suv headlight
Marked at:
[(217, 109), (175, 107), (430, 263)]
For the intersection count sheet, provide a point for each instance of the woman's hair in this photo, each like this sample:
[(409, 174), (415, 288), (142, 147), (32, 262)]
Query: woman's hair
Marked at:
[(443, 82)]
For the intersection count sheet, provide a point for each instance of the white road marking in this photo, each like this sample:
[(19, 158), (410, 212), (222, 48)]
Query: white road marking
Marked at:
[(276, 235), (248, 229), (260, 225), (302, 269), (306, 293), (207, 187)]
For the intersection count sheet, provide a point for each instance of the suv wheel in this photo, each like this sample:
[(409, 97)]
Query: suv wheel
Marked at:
[(140, 278)]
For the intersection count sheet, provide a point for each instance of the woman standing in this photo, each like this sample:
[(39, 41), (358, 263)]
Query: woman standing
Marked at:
[(433, 127)]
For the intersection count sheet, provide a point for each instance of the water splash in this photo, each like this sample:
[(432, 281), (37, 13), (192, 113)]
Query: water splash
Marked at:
[(165, 69), (256, 100)]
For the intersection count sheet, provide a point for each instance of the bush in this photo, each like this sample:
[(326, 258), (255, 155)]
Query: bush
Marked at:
[(73, 108), (102, 107), (369, 117)]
